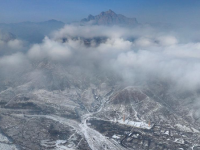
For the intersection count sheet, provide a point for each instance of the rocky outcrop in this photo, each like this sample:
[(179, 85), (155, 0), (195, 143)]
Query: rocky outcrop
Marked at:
[(109, 18)]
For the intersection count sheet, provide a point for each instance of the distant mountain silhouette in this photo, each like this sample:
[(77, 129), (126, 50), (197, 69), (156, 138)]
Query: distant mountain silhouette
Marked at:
[(32, 31), (109, 18)]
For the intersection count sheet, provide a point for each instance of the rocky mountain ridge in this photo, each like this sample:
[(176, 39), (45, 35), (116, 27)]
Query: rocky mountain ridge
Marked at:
[(109, 18)]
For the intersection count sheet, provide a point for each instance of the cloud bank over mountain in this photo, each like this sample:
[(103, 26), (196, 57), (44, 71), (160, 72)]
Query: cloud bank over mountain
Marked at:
[(133, 54)]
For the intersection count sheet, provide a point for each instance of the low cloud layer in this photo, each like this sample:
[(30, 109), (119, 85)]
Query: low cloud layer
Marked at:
[(136, 54), (10, 44)]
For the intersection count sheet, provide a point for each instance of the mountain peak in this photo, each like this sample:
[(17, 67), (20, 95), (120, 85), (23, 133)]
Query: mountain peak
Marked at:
[(109, 12), (109, 18)]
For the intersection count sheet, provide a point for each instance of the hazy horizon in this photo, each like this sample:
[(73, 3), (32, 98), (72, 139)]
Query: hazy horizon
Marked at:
[(145, 11)]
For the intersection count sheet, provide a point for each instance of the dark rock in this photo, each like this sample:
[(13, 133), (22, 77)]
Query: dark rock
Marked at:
[(109, 18)]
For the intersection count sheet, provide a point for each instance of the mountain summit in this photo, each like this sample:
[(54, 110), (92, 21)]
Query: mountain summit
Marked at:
[(109, 18)]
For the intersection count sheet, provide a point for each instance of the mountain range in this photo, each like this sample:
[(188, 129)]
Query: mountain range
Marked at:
[(79, 102), (33, 32), (109, 18)]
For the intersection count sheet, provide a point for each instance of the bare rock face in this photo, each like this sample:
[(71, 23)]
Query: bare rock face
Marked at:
[(128, 95), (109, 18)]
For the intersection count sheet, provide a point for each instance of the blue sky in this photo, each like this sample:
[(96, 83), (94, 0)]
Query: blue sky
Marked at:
[(166, 11)]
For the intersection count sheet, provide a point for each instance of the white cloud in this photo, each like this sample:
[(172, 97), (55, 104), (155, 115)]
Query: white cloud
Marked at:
[(49, 49), (15, 44), (132, 53)]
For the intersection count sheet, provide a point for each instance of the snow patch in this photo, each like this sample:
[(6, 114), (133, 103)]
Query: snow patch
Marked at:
[(116, 136), (179, 140), (185, 128), (141, 124)]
